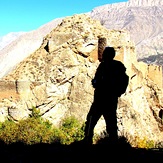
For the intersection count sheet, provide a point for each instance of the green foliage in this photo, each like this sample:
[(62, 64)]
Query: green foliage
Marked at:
[(71, 130), (8, 132), (35, 130), (35, 112), (28, 131), (143, 143)]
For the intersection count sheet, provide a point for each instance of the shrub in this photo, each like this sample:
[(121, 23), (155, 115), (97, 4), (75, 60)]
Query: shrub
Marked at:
[(8, 131), (34, 130), (72, 130), (143, 143)]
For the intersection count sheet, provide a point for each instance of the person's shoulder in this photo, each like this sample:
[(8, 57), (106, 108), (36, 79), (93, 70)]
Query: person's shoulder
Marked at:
[(118, 63)]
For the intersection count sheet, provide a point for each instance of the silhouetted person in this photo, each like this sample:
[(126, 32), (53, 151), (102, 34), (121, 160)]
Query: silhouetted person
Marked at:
[(108, 87)]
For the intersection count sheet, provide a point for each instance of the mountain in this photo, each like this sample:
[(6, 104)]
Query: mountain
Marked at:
[(10, 37), (56, 80), (142, 18), (23, 46)]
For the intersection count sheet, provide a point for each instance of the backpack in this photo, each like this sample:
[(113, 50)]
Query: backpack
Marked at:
[(123, 83), (115, 80)]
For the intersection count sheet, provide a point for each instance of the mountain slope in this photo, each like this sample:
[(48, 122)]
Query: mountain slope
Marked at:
[(23, 46), (142, 18), (7, 39)]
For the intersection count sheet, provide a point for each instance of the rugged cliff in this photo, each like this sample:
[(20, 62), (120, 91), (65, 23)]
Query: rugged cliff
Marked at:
[(56, 79), (142, 18)]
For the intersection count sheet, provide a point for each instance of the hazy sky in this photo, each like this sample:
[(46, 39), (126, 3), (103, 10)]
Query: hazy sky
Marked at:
[(27, 15)]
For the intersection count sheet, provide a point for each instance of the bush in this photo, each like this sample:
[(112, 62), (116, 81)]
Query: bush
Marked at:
[(72, 130), (8, 132), (34, 130), (143, 143)]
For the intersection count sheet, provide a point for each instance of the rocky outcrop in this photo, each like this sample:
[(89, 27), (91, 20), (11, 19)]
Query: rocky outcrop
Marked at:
[(56, 79), (145, 2), (136, 16), (142, 18), (23, 46)]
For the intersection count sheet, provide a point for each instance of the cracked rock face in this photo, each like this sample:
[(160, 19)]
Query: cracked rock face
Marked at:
[(56, 79), (135, 17)]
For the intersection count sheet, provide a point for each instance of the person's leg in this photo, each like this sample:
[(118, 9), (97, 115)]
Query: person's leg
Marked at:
[(91, 120), (111, 120)]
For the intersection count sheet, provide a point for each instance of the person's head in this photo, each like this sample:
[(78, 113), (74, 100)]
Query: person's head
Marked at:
[(108, 54)]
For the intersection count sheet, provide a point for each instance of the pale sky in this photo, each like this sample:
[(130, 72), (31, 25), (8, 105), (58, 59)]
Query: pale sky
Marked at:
[(27, 15)]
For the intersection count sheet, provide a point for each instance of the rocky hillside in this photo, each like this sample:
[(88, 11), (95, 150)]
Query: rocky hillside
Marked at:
[(56, 79), (7, 39), (142, 18), (21, 47)]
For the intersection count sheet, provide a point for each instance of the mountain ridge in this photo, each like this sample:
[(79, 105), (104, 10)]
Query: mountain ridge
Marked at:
[(136, 19), (23, 46), (56, 79), (122, 16)]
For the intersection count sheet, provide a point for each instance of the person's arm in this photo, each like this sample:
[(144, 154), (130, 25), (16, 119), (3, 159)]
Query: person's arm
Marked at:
[(98, 76)]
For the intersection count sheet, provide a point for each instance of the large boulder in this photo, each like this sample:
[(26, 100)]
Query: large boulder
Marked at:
[(56, 79)]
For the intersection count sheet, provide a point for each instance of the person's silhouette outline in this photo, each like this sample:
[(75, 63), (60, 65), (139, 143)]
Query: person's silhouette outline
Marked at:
[(106, 93)]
